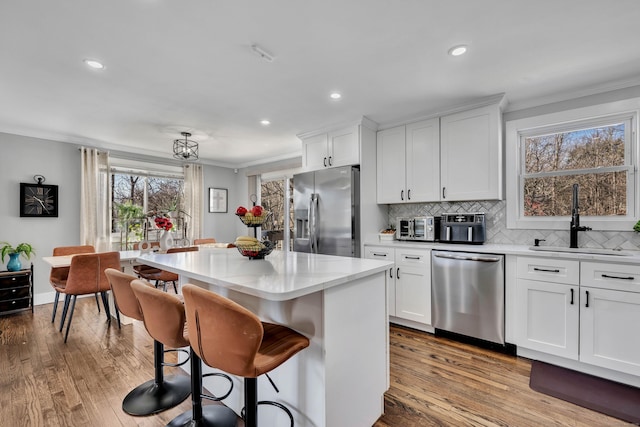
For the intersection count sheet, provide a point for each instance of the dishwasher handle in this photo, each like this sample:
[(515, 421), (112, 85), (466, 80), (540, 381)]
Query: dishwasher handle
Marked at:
[(480, 258)]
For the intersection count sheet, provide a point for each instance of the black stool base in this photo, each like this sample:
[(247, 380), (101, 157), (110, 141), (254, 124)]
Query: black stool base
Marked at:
[(150, 398), (212, 416)]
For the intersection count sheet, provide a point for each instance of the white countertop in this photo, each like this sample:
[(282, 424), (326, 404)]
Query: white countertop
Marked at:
[(280, 276), (633, 258)]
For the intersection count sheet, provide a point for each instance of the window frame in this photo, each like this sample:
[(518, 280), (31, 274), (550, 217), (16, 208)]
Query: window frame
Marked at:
[(587, 117)]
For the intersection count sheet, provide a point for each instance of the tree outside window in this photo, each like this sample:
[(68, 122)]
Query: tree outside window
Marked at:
[(135, 198), (593, 157), (272, 198)]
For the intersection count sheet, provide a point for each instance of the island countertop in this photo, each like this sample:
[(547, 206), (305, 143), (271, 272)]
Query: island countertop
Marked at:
[(279, 276)]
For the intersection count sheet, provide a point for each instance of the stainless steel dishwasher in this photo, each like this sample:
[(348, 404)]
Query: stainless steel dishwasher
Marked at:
[(467, 292)]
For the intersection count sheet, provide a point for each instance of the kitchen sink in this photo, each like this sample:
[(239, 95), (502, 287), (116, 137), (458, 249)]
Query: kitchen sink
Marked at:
[(593, 251)]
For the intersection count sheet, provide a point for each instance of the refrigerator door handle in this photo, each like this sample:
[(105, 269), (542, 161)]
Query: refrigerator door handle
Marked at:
[(313, 223)]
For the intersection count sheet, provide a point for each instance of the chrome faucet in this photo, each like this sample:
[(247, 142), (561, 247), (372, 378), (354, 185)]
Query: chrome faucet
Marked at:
[(575, 220)]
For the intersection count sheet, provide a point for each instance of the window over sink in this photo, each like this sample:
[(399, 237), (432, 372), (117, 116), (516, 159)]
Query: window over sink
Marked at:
[(595, 147)]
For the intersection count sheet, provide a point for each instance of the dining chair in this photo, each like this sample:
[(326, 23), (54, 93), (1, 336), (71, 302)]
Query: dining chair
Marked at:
[(86, 276), (143, 268), (204, 241), (163, 276), (58, 275)]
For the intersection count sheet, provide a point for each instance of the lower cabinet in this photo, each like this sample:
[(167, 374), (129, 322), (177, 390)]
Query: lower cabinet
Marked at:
[(571, 318), (608, 329), (548, 315), (409, 281)]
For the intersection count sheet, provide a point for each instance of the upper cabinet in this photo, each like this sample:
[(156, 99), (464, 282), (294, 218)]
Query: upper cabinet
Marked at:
[(331, 149), (455, 157), (471, 155), (408, 163)]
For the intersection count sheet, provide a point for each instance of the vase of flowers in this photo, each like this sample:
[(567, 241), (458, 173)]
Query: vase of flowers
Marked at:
[(166, 240), (14, 264)]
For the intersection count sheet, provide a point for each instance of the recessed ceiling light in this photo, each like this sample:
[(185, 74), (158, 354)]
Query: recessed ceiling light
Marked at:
[(335, 95), (265, 122), (458, 50), (94, 64)]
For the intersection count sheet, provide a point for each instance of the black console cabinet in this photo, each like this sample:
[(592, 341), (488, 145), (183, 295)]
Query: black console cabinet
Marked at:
[(16, 291)]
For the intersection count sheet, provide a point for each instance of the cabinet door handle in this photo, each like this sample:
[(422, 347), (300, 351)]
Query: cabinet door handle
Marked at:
[(401, 194), (443, 192), (607, 276), (546, 270), (390, 272), (571, 297), (330, 160), (325, 162), (398, 272), (409, 194), (587, 299)]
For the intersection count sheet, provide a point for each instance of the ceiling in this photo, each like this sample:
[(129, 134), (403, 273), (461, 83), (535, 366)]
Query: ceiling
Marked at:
[(175, 66)]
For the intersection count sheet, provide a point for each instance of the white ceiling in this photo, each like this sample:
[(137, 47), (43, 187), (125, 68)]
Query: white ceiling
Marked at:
[(187, 65)]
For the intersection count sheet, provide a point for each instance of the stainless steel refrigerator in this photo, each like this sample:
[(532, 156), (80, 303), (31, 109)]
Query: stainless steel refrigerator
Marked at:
[(326, 207)]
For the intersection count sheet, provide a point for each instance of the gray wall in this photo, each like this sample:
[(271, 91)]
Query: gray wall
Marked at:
[(23, 157)]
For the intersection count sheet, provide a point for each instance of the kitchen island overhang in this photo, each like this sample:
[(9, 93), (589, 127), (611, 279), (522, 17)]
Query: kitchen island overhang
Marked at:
[(339, 303)]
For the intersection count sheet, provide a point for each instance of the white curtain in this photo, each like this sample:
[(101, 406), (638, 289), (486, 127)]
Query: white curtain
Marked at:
[(95, 212), (193, 198)]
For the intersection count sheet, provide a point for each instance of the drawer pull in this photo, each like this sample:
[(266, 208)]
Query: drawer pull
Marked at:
[(412, 257), (546, 270), (607, 276), (376, 254)]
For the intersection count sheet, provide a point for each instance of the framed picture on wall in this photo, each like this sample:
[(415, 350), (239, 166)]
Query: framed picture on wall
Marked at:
[(217, 200)]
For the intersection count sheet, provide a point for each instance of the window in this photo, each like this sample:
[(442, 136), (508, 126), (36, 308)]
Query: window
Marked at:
[(137, 194), (597, 152)]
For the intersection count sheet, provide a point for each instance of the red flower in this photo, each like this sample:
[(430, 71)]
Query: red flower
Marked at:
[(164, 223)]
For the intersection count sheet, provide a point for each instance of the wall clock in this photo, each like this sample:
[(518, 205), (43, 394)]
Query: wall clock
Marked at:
[(38, 200)]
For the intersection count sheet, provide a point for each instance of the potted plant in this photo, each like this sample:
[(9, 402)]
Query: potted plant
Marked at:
[(14, 264)]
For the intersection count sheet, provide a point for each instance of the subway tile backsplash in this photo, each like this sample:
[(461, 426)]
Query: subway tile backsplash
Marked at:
[(497, 232)]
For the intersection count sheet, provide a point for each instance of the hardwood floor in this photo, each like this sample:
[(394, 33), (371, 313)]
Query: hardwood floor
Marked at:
[(434, 381)]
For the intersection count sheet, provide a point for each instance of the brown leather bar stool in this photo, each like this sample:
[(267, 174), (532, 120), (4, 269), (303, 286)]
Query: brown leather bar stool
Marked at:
[(160, 393), (229, 337), (164, 318)]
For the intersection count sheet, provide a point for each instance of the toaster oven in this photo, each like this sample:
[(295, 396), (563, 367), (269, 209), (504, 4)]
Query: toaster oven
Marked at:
[(422, 228)]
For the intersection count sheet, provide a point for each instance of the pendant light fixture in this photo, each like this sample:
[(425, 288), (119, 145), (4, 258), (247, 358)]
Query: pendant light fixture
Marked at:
[(185, 149)]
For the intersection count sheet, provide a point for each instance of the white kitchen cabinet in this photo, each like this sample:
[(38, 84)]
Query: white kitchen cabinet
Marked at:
[(385, 254), (471, 154), (409, 281), (331, 149), (408, 163), (547, 299), (548, 317), (609, 312), (579, 310)]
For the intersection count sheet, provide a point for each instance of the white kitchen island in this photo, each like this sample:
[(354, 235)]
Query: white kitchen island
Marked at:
[(338, 303)]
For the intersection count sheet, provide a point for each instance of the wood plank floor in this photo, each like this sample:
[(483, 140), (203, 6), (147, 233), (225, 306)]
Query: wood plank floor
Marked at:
[(434, 381)]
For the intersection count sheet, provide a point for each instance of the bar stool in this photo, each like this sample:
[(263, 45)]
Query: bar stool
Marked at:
[(160, 393), (164, 318), (229, 337)]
